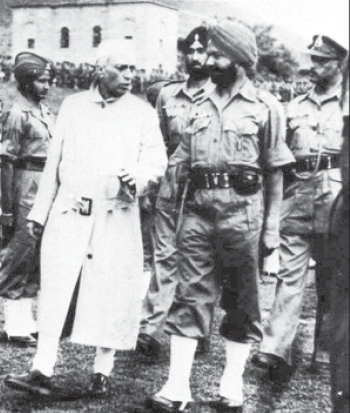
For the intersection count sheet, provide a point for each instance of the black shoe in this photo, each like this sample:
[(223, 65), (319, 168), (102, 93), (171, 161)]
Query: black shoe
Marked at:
[(35, 335), (225, 406), (275, 366), (20, 341), (266, 361), (203, 347), (33, 382), (159, 404), (99, 385), (147, 345)]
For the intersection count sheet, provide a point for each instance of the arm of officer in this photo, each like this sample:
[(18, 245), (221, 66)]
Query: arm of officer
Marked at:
[(276, 156), (162, 117), (274, 194), (49, 182), (10, 148), (152, 158)]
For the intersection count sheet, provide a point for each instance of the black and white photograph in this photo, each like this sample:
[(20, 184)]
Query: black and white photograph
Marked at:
[(174, 206)]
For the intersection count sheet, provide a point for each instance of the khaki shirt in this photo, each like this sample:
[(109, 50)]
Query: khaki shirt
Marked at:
[(315, 123), (247, 131), (26, 130), (173, 106)]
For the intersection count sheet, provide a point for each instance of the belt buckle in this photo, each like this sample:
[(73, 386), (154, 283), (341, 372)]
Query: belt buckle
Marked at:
[(86, 206)]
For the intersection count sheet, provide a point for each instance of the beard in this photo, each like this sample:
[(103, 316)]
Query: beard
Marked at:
[(223, 77), (29, 91), (197, 71)]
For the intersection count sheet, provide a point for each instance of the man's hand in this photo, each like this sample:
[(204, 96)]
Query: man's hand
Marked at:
[(35, 230), (127, 180)]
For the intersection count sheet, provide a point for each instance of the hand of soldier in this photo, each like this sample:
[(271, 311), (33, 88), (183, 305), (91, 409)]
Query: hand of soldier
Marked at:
[(35, 230)]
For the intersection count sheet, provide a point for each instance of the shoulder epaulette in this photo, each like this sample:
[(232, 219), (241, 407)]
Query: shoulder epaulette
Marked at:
[(173, 82)]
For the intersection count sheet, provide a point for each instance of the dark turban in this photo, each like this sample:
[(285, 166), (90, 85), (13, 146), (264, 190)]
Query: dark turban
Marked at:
[(237, 41), (197, 35), (29, 66)]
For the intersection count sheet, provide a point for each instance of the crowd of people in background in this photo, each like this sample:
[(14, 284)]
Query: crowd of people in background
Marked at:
[(79, 76)]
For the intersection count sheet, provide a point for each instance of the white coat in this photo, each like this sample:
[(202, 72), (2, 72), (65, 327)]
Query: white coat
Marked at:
[(93, 140)]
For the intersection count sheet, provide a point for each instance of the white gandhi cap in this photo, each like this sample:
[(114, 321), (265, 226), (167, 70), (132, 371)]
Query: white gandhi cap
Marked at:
[(121, 51)]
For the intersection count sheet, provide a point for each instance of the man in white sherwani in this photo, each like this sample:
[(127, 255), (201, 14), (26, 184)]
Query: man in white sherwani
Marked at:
[(106, 152)]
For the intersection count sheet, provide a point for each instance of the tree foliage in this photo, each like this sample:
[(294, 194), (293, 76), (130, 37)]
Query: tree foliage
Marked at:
[(273, 56)]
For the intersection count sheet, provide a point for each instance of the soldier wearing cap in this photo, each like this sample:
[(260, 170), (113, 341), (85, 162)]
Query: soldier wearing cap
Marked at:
[(26, 136), (229, 160), (173, 105), (314, 135)]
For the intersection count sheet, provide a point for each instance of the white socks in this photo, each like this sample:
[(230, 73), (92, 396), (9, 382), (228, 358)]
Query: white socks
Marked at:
[(104, 360), (46, 354), (19, 320), (231, 386), (182, 350)]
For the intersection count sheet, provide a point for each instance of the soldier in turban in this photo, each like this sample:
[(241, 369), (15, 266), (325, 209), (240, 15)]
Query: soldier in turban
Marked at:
[(27, 127), (229, 156)]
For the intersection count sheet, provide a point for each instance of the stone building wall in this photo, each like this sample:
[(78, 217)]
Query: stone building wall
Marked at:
[(152, 28)]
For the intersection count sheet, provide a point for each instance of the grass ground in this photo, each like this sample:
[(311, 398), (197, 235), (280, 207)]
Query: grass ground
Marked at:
[(134, 377)]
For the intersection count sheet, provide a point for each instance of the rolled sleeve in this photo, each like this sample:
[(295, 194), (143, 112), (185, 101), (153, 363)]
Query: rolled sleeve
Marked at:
[(276, 152), (11, 134)]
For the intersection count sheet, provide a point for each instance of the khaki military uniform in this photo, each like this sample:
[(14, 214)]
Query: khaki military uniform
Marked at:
[(26, 136), (221, 228), (314, 126), (174, 106)]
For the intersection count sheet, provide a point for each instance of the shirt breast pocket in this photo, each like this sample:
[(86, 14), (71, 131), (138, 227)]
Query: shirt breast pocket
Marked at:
[(304, 135), (333, 139), (241, 139), (176, 119), (199, 130)]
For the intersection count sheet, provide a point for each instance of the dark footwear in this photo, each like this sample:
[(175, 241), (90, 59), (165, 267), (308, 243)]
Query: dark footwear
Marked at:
[(203, 346), (266, 361), (162, 405), (21, 341), (35, 335), (224, 405), (99, 385), (147, 345), (275, 366), (33, 382)]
